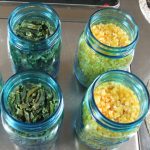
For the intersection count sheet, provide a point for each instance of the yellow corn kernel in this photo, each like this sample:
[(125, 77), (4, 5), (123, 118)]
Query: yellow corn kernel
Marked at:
[(117, 102), (110, 34)]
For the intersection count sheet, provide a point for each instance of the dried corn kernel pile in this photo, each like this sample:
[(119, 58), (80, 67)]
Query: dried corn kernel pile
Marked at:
[(110, 34), (117, 102)]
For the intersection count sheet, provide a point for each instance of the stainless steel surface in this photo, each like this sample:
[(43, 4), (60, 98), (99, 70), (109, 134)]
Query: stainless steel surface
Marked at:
[(61, 3), (147, 120), (73, 21), (144, 133)]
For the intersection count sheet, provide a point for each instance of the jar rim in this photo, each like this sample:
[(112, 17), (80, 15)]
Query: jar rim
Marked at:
[(33, 4), (20, 125), (113, 123), (113, 49)]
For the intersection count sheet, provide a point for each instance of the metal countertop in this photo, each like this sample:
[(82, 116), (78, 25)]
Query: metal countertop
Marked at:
[(73, 21)]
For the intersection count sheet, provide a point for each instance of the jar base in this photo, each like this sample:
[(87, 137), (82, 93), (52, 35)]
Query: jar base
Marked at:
[(79, 144), (46, 146)]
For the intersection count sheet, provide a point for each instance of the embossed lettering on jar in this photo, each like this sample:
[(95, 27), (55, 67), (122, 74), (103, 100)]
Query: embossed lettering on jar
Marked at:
[(107, 43), (34, 38)]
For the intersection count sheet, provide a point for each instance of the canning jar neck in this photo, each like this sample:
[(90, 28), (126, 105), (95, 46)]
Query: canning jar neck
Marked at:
[(120, 18), (30, 127), (135, 83), (28, 11)]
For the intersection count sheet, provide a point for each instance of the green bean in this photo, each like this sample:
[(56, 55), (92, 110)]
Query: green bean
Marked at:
[(32, 102)]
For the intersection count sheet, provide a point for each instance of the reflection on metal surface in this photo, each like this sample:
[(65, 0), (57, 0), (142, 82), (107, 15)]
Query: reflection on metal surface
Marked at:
[(148, 123), (147, 120), (144, 134), (1, 81), (18, 148)]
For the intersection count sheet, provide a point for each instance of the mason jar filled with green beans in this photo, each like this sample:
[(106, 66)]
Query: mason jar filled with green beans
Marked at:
[(32, 110), (34, 38)]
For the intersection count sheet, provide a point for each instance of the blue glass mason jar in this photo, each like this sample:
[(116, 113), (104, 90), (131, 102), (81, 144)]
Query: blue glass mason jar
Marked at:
[(40, 135), (95, 129), (93, 57), (27, 51)]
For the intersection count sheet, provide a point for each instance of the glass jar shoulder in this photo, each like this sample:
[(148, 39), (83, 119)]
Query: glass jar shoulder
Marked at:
[(92, 63), (40, 60)]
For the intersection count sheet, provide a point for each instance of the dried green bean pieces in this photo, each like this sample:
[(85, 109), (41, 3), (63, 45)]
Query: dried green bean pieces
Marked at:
[(31, 102), (34, 30), (46, 57), (47, 60)]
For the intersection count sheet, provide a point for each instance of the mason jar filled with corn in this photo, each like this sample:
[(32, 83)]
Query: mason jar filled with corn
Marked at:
[(107, 43), (112, 110)]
